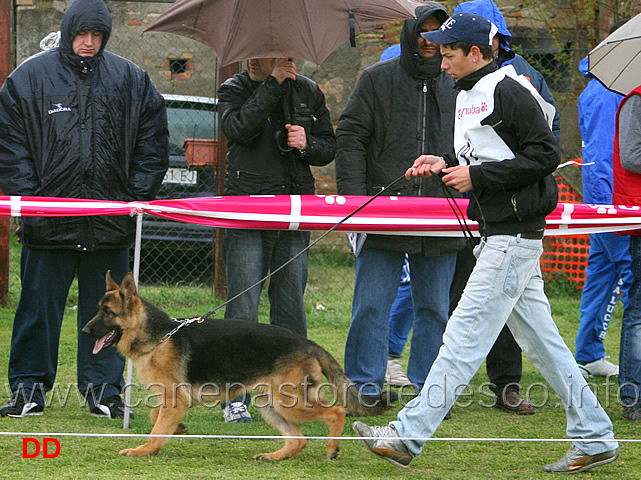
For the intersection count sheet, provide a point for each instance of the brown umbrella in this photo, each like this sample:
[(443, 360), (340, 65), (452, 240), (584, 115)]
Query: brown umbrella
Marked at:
[(305, 29), (616, 61)]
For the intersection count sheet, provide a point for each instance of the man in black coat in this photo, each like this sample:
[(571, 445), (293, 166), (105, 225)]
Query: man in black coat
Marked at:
[(277, 125), (398, 110), (75, 121)]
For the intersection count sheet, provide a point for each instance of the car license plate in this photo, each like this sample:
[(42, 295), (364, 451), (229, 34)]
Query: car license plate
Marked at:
[(181, 176)]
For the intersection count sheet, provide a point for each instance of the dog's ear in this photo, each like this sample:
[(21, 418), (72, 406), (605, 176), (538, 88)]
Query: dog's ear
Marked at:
[(111, 285), (128, 286)]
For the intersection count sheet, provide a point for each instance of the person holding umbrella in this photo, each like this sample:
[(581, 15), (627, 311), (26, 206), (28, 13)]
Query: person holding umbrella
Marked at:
[(506, 154), (277, 125), (607, 275)]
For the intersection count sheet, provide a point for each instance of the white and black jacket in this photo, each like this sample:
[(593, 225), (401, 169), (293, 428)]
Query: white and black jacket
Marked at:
[(502, 133)]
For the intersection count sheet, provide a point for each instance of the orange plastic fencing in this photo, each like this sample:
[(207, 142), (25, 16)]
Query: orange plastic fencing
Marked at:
[(566, 255)]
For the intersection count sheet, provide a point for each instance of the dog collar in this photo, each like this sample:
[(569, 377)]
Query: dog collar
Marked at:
[(181, 323)]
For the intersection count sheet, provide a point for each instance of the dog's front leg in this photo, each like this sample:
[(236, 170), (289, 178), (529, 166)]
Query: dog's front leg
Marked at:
[(153, 416), (166, 423)]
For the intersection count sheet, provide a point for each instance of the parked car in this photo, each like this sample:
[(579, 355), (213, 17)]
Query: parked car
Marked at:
[(192, 120)]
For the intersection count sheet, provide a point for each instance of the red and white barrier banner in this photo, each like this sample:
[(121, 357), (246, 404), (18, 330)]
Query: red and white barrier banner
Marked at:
[(387, 215), (60, 207)]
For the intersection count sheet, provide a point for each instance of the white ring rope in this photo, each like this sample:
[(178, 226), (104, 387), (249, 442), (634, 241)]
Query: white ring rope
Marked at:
[(282, 437)]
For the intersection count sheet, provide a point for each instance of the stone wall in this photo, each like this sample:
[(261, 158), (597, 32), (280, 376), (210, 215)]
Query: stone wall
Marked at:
[(176, 64), (183, 66)]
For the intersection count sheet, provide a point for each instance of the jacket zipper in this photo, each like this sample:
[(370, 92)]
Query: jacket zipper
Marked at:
[(423, 125), (515, 207)]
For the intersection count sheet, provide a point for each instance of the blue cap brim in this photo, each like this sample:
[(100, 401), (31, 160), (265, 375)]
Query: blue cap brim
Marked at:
[(438, 36)]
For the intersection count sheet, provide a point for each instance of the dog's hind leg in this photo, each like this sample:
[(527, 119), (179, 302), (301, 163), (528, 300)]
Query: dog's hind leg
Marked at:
[(334, 418), (292, 445), (313, 407)]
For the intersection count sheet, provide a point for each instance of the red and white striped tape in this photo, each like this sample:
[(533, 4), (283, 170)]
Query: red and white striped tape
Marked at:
[(386, 215)]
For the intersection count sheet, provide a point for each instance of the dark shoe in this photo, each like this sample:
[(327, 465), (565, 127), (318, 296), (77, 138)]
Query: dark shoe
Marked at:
[(17, 407), (448, 415), (511, 402), (577, 461), (111, 408), (385, 443), (388, 398), (632, 413), (376, 404)]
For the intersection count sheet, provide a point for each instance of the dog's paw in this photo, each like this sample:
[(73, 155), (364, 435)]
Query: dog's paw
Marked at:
[(263, 456), (334, 454), (180, 429), (141, 451)]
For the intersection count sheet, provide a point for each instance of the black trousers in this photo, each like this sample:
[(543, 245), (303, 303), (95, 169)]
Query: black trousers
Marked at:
[(504, 363), (46, 276)]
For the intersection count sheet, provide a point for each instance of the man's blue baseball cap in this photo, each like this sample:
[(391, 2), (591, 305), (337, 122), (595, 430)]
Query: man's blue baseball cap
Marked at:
[(463, 27)]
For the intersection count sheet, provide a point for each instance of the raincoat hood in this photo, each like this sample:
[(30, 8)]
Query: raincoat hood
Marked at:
[(584, 65), (489, 10), (411, 61), (80, 16)]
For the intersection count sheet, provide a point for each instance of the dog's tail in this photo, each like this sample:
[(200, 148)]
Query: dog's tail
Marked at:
[(348, 394)]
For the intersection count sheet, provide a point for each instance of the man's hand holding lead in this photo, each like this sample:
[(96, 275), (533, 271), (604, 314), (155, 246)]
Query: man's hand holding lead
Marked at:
[(425, 166)]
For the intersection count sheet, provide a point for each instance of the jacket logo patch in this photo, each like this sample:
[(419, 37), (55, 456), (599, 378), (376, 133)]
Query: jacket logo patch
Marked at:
[(58, 108), (472, 110)]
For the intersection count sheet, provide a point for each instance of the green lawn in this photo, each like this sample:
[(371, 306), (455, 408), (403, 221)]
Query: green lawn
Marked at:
[(195, 458)]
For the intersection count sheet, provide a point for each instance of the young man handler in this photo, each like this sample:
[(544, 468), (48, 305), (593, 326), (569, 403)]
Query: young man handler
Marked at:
[(505, 154)]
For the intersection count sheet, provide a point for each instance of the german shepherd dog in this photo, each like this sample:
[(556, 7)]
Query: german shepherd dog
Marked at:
[(219, 360)]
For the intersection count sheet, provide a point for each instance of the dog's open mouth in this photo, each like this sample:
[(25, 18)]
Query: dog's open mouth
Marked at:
[(104, 342)]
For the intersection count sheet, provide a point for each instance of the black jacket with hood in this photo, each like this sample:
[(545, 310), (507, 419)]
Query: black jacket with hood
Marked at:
[(399, 109), (252, 114), (81, 127)]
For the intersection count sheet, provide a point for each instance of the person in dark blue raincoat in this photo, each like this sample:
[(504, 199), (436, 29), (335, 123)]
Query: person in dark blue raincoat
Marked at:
[(608, 274)]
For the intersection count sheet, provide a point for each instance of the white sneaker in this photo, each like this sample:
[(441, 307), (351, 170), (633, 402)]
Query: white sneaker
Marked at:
[(394, 375), (237, 412), (599, 368), (577, 461)]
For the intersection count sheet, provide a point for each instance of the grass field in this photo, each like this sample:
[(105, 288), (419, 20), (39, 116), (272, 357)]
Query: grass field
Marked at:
[(195, 458)]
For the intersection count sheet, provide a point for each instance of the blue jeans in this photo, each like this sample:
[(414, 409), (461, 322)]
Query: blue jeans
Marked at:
[(607, 277), (46, 276), (630, 352), (400, 319), (378, 273), (249, 256), (505, 286)]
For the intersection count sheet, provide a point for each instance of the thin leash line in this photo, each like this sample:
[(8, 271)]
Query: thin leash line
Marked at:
[(467, 232), (288, 437), (340, 222), (458, 213)]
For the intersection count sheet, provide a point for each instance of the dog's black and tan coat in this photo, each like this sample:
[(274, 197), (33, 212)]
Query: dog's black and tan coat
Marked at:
[(214, 361)]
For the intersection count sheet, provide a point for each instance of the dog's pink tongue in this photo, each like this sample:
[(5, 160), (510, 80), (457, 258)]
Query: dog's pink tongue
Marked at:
[(99, 343)]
